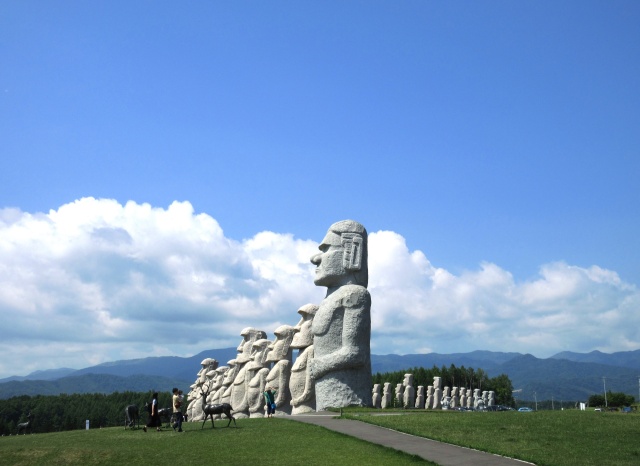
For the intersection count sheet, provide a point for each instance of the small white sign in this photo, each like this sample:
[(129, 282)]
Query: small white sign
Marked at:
[(87, 424)]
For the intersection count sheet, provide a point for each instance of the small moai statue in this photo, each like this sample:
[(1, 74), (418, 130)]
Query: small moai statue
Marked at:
[(485, 398), (492, 398), (446, 398), (420, 397), (470, 399), (301, 384), (255, 395), (408, 392), (387, 401), (399, 398), (219, 382), (429, 401), (280, 354), (463, 397), (437, 393), (454, 398), (377, 396), (477, 398)]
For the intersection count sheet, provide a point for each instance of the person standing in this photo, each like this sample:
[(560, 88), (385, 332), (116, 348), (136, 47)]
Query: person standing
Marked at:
[(177, 409), (154, 419), (270, 400)]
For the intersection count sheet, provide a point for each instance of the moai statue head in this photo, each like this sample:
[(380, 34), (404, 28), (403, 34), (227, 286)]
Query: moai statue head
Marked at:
[(230, 374), (304, 336), (430, 390), (408, 380), (386, 388), (463, 391), (445, 391), (454, 391), (281, 348), (259, 351), (376, 389), (249, 335), (436, 382), (399, 390), (343, 256)]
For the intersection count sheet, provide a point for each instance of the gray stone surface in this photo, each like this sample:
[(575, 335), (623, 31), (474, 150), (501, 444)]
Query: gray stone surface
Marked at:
[(301, 385), (341, 366)]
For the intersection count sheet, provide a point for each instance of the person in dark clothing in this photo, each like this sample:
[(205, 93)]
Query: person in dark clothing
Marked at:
[(154, 418), (270, 400)]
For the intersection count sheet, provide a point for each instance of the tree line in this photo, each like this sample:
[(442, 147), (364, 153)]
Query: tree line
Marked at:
[(53, 413), (453, 376)]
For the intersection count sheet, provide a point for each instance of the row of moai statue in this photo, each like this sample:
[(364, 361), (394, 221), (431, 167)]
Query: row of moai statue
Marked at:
[(434, 397), (333, 364)]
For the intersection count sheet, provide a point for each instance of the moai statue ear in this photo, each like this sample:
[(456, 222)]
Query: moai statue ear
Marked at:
[(352, 258)]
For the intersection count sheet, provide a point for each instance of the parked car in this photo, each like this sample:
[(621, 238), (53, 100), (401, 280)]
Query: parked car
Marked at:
[(525, 410)]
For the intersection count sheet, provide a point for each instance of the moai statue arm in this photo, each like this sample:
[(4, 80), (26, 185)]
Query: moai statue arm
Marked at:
[(308, 383), (353, 308)]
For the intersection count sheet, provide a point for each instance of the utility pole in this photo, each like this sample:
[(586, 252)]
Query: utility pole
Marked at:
[(604, 379), (535, 395), (552, 406)]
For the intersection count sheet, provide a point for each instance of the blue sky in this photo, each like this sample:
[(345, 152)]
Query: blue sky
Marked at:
[(487, 139)]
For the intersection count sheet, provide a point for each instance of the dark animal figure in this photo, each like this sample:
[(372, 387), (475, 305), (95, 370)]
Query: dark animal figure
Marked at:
[(132, 417), (211, 410), (26, 426)]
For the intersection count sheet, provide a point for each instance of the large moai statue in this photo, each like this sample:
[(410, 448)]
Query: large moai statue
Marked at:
[(470, 398), (227, 381), (428, 404), (301, 385), (408, 392), (387, 396), (398, 399), (437, 393), (341, 366), (376, 396), (491, 401), (477, 398), (280, 354), (446, 399), (420, 397)]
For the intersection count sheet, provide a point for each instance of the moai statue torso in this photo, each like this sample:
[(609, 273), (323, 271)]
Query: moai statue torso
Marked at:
[(437, 393), (301, 385), (408, 392), (387, 401), (341, 365), (446, 398), (420, 397), (492, 399), (280, 353), (377, 396), (257, 386)]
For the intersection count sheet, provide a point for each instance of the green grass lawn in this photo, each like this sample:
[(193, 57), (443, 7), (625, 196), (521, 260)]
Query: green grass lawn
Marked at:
[(254, 441), (559, 438)]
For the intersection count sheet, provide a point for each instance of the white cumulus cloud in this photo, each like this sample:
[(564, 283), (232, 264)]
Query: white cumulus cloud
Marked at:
[(96, 281)]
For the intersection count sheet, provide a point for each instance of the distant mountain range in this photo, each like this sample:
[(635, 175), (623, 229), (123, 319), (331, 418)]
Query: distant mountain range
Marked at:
[(565, 376)]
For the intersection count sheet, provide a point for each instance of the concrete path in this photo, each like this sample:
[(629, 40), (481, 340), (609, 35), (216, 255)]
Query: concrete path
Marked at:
[(443, 454)]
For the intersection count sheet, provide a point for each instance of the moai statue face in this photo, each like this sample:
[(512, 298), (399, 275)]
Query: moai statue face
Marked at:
[(304, 336), (454, 391), (386, 389), (436, 383), (259, 353), (430, 390), (281, 348), (408, 380), (231, 373), (376, 389), (343, 256), (446, 391), (249, 335)]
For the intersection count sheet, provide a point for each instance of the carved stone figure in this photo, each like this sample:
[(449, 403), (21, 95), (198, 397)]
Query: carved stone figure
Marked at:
[(280, 353), (227, 382), (376, 396), (437, 393), (398, 399), (387, 400), (428, 404), (420, 397), (463, 397), (470, 399), (301, 385), (341, 365), (455, 401), (491, 401), (408, 392), (240, 386), (477, 398), (255, 396)]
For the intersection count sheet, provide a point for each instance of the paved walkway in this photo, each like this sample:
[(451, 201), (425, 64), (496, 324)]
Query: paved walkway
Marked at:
[(443, 454)]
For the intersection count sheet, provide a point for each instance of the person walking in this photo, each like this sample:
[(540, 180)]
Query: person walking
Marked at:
[(154, 419), (177, 410), (270, 400)]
